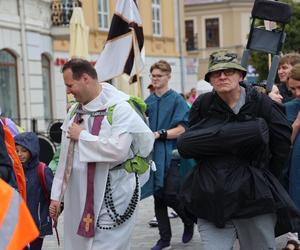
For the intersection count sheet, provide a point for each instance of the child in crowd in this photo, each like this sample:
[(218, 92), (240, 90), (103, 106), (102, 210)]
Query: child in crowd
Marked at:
[(193, 95), (27, 145)]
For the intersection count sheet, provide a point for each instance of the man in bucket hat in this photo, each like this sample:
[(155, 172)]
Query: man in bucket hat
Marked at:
[(241, 140), (224, 61)]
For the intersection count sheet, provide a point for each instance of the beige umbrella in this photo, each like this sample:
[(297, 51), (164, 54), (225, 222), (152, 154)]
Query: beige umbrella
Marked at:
[(79, 41), (79, 35)]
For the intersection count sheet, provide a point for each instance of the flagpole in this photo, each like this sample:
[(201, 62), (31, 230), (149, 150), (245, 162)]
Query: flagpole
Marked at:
[(135, 62)]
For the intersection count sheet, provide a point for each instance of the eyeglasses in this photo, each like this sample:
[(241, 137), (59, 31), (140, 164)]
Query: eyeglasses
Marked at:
[(227, 72), (157, 76)]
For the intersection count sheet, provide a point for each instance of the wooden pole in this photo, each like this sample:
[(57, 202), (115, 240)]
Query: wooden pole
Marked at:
[(134, 40)]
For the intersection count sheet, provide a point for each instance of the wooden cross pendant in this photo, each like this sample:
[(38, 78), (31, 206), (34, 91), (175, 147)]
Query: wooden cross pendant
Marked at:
[(87, 220)]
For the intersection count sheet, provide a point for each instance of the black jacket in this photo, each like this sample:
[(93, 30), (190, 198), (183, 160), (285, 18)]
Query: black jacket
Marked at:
[(238, 156)]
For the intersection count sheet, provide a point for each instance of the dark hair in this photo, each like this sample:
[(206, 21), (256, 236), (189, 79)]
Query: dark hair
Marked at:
[(79, 67), (162, 65)]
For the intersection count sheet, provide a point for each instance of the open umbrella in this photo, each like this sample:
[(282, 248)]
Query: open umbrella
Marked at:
[(79, 35)]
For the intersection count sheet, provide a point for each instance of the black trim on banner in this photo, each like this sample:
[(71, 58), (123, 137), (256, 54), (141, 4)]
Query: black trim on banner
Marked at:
[(120, 27)]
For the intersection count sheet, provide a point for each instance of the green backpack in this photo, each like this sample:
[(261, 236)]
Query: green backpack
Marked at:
[(137, 164)]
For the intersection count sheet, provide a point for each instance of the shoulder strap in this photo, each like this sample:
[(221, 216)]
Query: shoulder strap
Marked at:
[(200, 108), (264, 106), (134, 103), (73, 111), (205, 103), (140, 108), (41, 174), (110, 113)]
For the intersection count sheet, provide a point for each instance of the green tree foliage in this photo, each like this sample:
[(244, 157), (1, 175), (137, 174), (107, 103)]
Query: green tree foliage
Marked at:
[(292, 42)]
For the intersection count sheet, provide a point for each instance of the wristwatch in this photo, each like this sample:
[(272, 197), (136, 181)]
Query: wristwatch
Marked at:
[(163, 133)]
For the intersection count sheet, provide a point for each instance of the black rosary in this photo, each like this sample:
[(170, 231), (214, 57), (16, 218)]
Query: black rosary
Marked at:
[(117, 218)]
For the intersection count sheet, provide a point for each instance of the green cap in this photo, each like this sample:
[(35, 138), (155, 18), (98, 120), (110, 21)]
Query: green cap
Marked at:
[(223, 60)]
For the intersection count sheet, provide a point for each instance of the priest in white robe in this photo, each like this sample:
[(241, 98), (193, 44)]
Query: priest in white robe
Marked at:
[(109, 148)]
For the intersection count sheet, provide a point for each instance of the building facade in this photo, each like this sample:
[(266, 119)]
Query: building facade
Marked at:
[(34, 44), (163, 34), (26, 56), (211, 25)]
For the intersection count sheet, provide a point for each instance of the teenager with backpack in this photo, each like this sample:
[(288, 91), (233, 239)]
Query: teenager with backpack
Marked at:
[(27, 145), (241, 140)]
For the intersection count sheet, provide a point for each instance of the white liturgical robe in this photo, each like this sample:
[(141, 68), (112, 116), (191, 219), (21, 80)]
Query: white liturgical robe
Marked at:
[(110, 148)]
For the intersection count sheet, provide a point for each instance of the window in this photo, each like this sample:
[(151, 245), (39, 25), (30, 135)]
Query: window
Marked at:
[(46, 72), (103, 14), (8, 85), (191, 39), (212, 32), (156, 20), (67, 7)]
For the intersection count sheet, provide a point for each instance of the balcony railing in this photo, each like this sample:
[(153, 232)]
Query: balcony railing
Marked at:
[(61, 11), (191, 43)]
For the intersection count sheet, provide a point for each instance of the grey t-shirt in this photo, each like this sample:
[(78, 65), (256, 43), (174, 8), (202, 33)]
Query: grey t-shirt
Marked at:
[(240, 102)]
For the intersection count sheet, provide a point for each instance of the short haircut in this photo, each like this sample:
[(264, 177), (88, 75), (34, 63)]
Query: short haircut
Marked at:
[(162, 65), (79, 67), (295, 72), (290, 58)]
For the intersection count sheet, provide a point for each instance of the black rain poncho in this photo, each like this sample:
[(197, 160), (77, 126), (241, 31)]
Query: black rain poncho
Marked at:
[(237, 154)]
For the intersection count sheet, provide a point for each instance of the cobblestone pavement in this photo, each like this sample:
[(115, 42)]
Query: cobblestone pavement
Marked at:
[(145, 237)]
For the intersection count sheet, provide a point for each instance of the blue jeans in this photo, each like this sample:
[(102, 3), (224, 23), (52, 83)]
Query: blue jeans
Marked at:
[(253, 233)]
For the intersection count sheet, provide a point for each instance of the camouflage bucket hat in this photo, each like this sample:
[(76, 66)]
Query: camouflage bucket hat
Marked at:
[(223, 60)]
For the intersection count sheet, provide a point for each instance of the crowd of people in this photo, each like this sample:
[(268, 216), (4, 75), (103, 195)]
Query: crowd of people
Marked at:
[(226, 160)]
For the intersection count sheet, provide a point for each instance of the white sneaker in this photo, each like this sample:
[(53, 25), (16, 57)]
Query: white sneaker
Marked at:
[(153, 222), (172, 215)]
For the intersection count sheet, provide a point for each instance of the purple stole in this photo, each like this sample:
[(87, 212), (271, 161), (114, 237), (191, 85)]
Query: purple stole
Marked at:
[(87, 224)]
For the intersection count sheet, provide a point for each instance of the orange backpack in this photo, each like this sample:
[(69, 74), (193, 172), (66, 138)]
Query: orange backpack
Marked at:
[(17, 165)]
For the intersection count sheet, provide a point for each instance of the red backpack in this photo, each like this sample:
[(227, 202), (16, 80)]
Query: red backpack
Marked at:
[(42, 178)]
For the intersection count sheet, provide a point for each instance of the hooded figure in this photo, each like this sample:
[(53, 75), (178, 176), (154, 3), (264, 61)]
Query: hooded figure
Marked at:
[(27, 145)]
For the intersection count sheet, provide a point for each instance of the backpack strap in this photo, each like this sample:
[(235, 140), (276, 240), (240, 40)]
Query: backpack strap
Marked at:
[(73, 111), (264, 107), (42, 178), (200, 108), (138, 106), (110, 113)]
